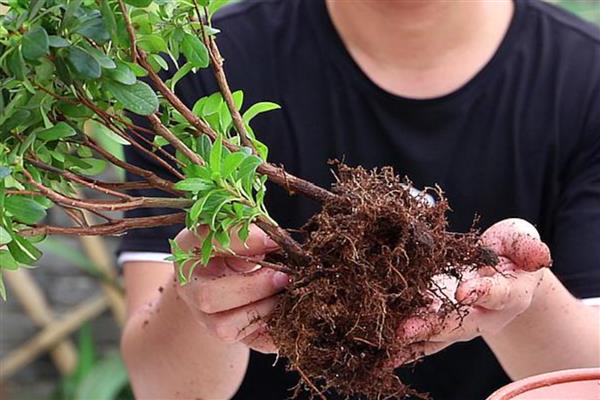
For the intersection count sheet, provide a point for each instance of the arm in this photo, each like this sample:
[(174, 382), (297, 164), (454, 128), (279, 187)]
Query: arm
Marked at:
[(192, 341), (556, 332), (167, 352)]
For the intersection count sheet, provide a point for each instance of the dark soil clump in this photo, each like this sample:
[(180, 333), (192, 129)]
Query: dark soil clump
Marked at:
[(374, 256)]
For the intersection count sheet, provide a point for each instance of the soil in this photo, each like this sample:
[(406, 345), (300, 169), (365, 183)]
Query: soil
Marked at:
[(374, 254)]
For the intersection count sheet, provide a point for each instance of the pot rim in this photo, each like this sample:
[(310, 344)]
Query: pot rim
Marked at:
[(516, 388)]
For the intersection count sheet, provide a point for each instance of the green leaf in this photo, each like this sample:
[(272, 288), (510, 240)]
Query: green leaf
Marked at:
[(122, 74), (138, 98), (16, 64), (195, 51), (34, 7), (244, 231), (152, 43), (4, 236), (259, 108), (97, 130), (223, 238), (238, 98), (207, 248), (158, 62), (193, 185), (24, 209), (93, 28), (58, 131), (103, 59), (105, 379), (212, 104), (83, 63), (7, 261), (87, 352), (109, 19), (35, 43), (215, 155), (231, 162), (57, 41), (181, 72), (23, 251), (96, 166), (246, 172), (216, 5), (2, 287), (139, 3)]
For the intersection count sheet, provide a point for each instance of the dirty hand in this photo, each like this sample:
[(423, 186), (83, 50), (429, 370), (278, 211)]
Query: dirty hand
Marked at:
[(230, 296), (494, 296)]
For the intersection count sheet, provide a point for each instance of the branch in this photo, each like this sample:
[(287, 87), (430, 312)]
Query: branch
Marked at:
[(162, 130), (79, 179), (110, 228), (130, 31), (283, 238), (217, 65), (149, 176), (137, 202), (110, 125), (276, 174)]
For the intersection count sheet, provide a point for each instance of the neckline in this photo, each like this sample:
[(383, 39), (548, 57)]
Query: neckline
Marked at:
[(336, 49)]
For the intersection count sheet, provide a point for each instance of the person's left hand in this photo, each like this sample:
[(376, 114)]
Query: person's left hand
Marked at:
[(494, 296)]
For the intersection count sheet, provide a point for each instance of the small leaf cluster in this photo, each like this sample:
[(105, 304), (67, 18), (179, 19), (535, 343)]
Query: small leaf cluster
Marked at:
[(228, 196)]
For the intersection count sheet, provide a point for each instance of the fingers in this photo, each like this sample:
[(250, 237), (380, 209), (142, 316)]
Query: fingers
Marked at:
[(416, 329), (519, 241), (256, 245), (257, 242), (419, 350), (233, 325), (260, 341), (234, 290), (491, 292)]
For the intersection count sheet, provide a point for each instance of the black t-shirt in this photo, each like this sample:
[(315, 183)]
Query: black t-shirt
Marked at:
[(521, 139)]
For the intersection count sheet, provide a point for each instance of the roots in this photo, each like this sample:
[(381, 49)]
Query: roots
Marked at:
[(374, 257)]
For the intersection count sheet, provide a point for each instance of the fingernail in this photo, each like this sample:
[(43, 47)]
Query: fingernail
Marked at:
[(270, 244), (280, 279)]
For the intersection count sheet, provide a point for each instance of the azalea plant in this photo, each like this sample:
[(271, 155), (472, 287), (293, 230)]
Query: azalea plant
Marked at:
[(77, 75)]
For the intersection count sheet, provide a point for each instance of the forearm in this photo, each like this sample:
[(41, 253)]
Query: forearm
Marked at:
[(556, 332), (169, 355)]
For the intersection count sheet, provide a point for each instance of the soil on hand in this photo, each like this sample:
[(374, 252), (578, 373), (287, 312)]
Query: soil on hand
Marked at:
[(374, 255)]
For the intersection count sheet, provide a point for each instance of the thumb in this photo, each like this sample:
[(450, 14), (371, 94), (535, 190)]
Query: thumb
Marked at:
[(519, 241)]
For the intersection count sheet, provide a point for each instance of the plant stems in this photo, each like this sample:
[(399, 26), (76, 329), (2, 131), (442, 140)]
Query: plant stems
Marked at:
[(175, 142), (276, 174), (110, 125), (110, 228), (137, 202), (79, 179), (130, 31), (149, 176)]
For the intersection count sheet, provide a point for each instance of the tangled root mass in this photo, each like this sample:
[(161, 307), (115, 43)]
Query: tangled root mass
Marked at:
[(374, 256)]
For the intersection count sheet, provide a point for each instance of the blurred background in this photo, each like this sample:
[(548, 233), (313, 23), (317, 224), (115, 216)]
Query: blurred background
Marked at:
[(59, 328)]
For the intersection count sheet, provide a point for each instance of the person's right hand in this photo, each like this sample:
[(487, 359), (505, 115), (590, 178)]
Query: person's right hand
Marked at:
[(230, 296)]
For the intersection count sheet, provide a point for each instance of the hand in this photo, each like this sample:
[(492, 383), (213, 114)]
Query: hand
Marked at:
[(494, 296), (230, 296)]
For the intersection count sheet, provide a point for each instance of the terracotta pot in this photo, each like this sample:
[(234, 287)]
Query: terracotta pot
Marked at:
[(572, 384)]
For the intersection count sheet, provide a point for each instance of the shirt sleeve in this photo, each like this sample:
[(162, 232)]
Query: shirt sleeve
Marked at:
[(575, 242)]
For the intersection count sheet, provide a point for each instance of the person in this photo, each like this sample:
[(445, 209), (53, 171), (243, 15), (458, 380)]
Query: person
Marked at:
[(498, 102)]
